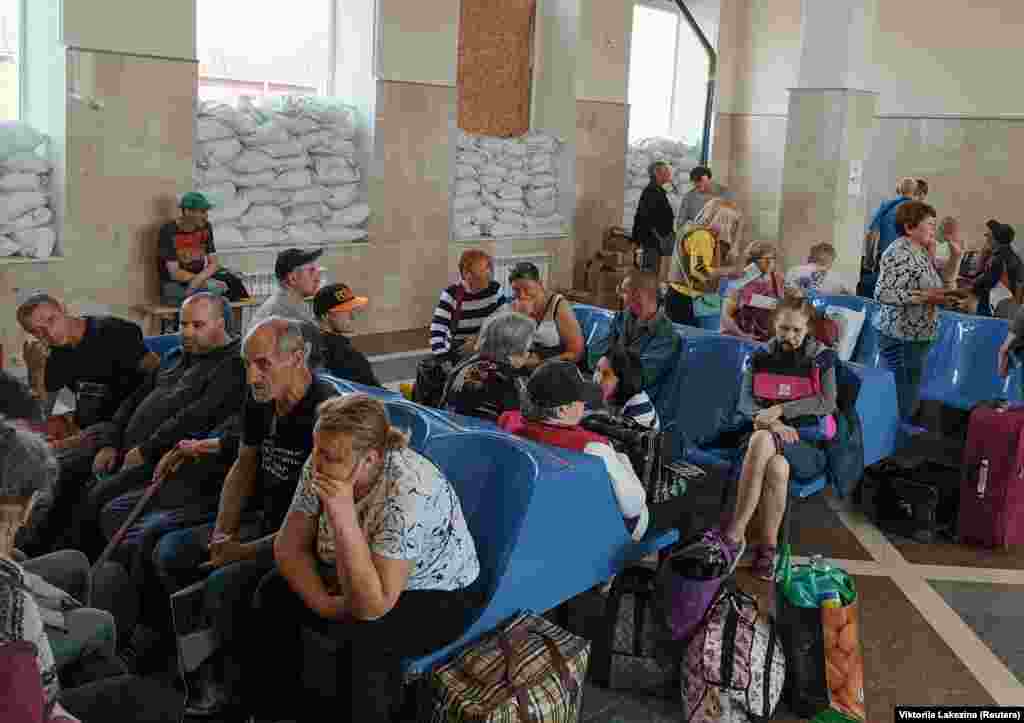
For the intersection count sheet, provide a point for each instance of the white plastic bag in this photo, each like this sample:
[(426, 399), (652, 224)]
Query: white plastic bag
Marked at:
[(292, 163), (303, 213), (507, 229), (510, 204), (493, 170), (213, 173), (293, 180), (343, 196), (313, 139), (537, 142), (354, 215), (535, 195), (544, 208), (464, 187), (262, 216), (241, 122), (471, 158), (493, 146), (850, 323), (310, 194), (254, 180), (541, 164), (464, 141), (306, 234), (463, 171), (36, 217), (266, 135), (491, 184), (8, 247), (263, 236), (13, 205), (518, 178), (543, 180), (335, 171), (335, 146), (469, 230), (281, 150), (469, 202), (22, 181), (228, 236), (253, 162), (512, 163), (211, 129), (342, 234), (507, 190), (221, 151), (265, 195), (37, 243), (229, 211), (26, 162)]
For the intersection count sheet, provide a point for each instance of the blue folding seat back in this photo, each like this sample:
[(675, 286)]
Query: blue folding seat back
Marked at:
[(961, 369), (709, 385), (595, 323), (345, 386), (419, 423), (162, 344), (495, 478)]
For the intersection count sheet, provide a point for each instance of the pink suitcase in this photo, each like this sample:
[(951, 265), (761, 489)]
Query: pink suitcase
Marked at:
[(992, 492)]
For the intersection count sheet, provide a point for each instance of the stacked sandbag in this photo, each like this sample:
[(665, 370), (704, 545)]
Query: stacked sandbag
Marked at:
[(283, 174), (506, 186), (27, 221), (641, 154)]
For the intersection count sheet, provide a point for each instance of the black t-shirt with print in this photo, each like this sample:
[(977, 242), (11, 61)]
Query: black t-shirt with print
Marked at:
[(188, 248), (109, 355), (284, 444)]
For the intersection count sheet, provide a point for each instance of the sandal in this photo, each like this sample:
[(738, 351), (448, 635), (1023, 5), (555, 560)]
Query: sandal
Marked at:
[(764, 562)]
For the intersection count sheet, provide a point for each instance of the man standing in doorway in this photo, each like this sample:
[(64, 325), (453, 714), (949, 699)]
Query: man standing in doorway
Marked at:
[(653, 225), (703, 191)]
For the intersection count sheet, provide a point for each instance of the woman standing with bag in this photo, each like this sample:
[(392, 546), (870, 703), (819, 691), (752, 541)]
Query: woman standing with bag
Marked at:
[(697, 258)]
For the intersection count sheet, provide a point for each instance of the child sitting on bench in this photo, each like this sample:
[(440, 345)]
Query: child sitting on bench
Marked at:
[(553, 410), (788, 399)]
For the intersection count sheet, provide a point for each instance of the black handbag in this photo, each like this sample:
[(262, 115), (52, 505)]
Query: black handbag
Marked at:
[(913, 497)]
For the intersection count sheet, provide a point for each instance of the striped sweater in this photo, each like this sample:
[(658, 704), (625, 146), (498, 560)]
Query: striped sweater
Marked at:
[(475, 309), (640, 408)]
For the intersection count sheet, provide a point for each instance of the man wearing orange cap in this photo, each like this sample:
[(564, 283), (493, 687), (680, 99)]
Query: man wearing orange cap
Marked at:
[(335, 306)]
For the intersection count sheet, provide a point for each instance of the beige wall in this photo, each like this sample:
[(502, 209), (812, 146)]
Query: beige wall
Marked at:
[(149, 27), (925, 64), (417, 42)]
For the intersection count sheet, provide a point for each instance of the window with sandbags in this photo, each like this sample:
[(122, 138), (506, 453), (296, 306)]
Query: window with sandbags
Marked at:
[(667, 93), (281, 140)]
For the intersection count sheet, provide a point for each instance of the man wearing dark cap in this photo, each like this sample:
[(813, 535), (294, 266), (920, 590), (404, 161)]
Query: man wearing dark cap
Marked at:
[(298, 276), (187, 255), (334, 307), (551, 414), (1004, 273)]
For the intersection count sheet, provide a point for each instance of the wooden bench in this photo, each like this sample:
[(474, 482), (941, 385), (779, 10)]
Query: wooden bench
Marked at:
[(161, 319)]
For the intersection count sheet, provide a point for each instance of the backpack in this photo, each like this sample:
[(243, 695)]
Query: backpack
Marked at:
[(734, 667)]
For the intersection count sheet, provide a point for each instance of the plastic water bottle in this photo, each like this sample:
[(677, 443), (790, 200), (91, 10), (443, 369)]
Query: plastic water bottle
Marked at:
[(826, 593), (982, 478)]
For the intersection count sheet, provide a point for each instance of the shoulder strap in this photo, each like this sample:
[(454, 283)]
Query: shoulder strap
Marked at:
[(460, 295)]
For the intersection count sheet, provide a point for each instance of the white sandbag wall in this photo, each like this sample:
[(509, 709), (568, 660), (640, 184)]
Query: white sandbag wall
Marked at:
[(283, 174), (678, 155), (507, 187), (27, 222)]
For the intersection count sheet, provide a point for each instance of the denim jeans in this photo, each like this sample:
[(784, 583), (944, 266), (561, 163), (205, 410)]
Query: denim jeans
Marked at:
[(905, 359)]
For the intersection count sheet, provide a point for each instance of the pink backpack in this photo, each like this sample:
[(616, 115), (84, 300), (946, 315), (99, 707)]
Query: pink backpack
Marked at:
[(733, 668)]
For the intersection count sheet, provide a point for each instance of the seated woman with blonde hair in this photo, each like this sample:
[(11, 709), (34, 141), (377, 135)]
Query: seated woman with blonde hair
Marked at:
[(748, 309), (375, 554), (700, 249)]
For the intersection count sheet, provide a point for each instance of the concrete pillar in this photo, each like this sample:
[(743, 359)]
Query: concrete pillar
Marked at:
[(831, 120)]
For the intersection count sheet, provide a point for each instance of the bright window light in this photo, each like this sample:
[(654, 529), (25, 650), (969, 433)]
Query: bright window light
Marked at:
[(652, 62), (9, 65), (257, 50)]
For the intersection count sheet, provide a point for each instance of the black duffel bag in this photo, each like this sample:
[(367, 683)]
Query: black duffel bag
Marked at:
[(913, 496)]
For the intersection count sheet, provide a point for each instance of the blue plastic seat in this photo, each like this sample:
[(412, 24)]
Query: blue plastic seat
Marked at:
[(420, 423), (162, 344), (345, 386), (866, 351)]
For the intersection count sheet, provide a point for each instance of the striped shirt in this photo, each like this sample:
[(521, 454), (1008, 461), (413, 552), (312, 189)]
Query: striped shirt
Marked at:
[(476, 307), (640, 408)]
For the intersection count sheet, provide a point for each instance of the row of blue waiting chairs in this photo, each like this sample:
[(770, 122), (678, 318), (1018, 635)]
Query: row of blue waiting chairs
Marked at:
[(545, 521)]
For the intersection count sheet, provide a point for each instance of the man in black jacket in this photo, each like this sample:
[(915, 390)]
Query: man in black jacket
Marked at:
[(653, 225), (200, 390)]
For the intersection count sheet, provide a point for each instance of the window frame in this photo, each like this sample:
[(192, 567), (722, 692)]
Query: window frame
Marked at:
[(668, 6)]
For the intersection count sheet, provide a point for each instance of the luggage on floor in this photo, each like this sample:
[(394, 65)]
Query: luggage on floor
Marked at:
[(687, 583), (528, 671), (992, 493), (632, 653), (734, 667), (824, 664), (914, 493), (648, 451)]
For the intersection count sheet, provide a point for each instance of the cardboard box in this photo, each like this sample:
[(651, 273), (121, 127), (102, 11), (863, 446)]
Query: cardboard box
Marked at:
[(614, 258), (606, 289)]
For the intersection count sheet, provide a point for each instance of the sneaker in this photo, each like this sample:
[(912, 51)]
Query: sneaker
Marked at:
[(714, 547)]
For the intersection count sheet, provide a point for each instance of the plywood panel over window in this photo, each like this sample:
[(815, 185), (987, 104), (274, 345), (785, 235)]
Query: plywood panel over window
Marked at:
[(495, 66)]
